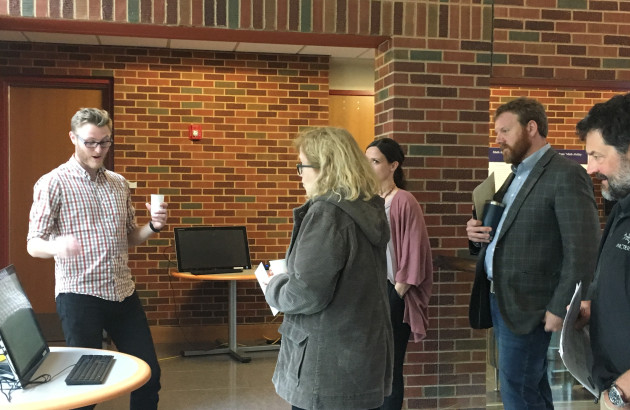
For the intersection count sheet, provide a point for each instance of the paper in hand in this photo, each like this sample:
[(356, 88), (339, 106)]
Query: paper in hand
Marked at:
[(575, 345), (482, 194), (263, 279)]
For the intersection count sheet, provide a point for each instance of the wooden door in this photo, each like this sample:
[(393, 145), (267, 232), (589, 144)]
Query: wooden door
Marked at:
[(354, 113), (37, 142), (39, 122)]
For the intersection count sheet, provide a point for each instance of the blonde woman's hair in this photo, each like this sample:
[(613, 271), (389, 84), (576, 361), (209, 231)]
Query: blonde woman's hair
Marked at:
[(343, 168)]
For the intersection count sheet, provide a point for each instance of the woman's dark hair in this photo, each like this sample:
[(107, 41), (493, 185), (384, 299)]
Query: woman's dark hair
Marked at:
[(393, 152)]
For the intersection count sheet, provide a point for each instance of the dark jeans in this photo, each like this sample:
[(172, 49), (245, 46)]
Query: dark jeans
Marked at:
[(83, 319), (401, 338), (522, 365)]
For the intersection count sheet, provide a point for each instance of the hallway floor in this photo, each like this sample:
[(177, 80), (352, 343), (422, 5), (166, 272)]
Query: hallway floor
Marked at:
[(219, 382), (212, 382)]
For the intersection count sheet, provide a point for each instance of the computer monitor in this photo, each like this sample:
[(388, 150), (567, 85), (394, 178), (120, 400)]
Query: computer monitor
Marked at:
[(212, 249), (21, 339)]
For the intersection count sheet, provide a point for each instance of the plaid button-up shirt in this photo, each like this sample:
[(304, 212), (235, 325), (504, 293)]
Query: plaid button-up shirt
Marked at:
[(99, 214)]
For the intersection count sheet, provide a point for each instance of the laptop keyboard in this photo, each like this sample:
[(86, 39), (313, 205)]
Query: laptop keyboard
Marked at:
[(90, 369)]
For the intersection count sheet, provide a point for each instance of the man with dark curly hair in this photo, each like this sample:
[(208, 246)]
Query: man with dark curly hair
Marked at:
[(606, 131)]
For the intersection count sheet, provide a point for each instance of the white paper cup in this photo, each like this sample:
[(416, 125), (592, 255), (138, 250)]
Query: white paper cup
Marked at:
[(156, 200), (278, 266)]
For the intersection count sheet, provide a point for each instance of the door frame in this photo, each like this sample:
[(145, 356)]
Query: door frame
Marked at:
[(104, 84)]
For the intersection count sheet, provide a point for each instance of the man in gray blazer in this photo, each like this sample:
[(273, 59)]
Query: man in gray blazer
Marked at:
[(545, 243)]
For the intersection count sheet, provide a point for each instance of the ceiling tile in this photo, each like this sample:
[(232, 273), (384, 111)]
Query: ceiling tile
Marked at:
[(346, 52), (335, 52), (134, 41), (41, 37), (268, 48), (369, 53), (203, 45), (12, 36)]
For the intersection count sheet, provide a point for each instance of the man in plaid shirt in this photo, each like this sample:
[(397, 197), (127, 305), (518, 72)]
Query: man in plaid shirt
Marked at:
[(83, 217)]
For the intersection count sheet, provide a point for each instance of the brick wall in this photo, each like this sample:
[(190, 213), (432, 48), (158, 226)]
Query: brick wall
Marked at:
[(575, 40), (366, 17), (434, 82), (432, 95), (241, 173)]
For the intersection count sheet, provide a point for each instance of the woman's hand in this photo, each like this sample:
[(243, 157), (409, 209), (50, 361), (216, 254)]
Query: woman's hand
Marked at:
[(270, 274), (401, 288)]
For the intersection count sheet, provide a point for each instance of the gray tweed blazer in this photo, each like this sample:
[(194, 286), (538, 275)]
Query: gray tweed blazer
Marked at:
[(547, 244)]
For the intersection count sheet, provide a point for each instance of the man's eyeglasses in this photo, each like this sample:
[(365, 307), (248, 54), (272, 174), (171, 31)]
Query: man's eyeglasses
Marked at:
[(93, 144), (302, 166)]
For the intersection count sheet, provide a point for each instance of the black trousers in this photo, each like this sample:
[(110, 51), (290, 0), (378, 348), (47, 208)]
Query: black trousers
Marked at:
[(401, 338), (83, 319)]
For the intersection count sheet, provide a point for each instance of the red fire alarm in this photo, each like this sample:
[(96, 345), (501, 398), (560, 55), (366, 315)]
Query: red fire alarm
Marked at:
[(194, 132)]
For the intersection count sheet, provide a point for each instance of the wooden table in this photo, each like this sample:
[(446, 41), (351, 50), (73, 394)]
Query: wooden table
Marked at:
[(233, 350), (127, 374)]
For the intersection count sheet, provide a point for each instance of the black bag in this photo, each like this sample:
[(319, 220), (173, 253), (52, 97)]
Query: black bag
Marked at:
[(479, 309)]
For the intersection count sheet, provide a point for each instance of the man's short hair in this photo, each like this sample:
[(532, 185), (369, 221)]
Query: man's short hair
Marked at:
[(526, 109), (612, 119), (94, 116)]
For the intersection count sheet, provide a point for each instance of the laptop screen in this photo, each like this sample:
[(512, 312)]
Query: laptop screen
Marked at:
[(212, 249), (24, 344)]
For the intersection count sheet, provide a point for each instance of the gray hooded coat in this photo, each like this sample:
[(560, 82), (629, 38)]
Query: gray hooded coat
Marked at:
[(337, 346)]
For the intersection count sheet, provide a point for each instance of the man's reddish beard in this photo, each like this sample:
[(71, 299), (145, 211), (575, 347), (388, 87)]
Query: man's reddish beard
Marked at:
[(516, 153)]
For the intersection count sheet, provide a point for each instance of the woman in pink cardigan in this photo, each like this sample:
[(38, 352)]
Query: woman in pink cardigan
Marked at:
[(409, 262)]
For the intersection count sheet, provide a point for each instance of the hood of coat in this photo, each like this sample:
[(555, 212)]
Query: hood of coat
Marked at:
[(368, 215)]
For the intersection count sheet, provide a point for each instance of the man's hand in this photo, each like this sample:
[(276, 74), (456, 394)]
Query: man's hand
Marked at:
[(585, 314), (606, 400), (607, 403), (552, 322), (158, 218), (623, 386), (63, 247), (67, 246), (476, 232)]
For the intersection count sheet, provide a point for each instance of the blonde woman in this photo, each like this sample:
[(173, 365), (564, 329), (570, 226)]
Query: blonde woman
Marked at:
[(337, 346)]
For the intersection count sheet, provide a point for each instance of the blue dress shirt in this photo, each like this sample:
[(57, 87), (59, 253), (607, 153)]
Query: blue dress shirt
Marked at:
[(521, 173)]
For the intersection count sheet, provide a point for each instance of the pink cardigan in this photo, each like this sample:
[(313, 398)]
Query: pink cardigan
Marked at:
[(413, 260)]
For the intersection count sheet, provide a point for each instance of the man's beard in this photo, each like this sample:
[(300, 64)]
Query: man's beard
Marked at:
[(618, 184), (516, 153)]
